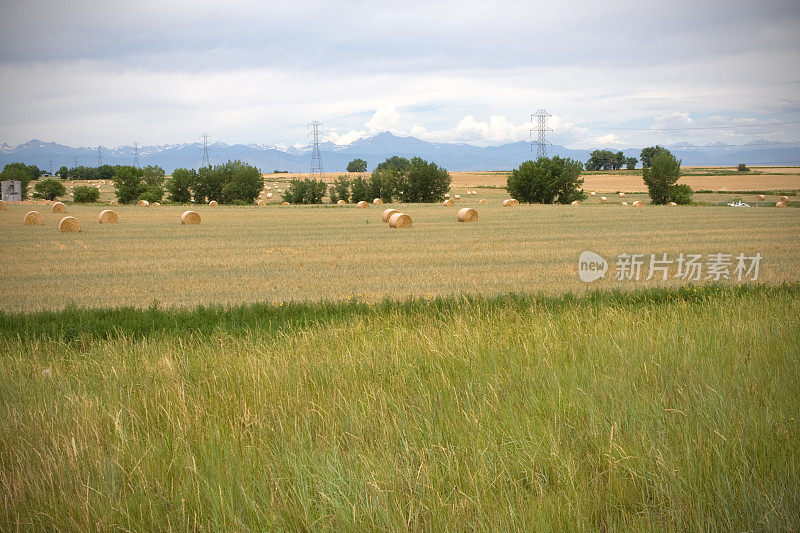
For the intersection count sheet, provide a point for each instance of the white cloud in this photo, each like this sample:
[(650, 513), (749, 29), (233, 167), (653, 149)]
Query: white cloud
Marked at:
[(384, 119)]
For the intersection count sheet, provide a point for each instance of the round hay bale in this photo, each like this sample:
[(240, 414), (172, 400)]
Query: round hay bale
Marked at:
[(267, 188), (2, 205), (58, 207), (269, 196), (447, 195), (69, 225), (672, 204), (284, 203), (592, 193), (784, 199), (262, 203), (190, 217), (621, 194), (156, 204), (377, 201), (603, 199), (638, 203), (624, 203), (387, 214), (33, 218), (341, 202), (448, 202), (457, 197), (399, 220), (107, 217), (483, 201), (362, 204), (781, 204), (467, 215), (213, 203), (142, 203), (113, 202), (762, 197), (510, 202), (575, 202)]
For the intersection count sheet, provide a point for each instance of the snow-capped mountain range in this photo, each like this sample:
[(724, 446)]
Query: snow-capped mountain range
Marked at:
[(453, 156)]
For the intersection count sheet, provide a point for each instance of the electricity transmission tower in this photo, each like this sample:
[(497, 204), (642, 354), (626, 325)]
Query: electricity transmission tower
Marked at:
[(206, 160), (541, 132), (136, 154), (316, 155), (99, 158), (74, 162)]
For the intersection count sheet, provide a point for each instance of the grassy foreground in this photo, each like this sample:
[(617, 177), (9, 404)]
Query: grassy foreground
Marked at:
[(673, 409)]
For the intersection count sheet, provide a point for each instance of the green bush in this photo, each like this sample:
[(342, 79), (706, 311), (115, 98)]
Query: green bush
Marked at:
[(340, 190), (399, 163), (49, 189), (546, 181), (358, 190), (179, 186), (152, 193), (680, 194), (153, 175), (421, 182), (128, 184), (82, 173), (85, 194), (232, 182), (661, 175), (305, 191), (383, 183), (742, 168)]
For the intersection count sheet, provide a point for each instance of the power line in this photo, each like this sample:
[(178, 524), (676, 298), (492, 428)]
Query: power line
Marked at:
[(541, 132), (316, 155), (730, 127)]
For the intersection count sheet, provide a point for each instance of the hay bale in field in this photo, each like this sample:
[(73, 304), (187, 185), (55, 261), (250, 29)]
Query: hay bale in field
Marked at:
[(621, 194), (603, 199), (33, 218), (457, 197), (483, 201), (213, 203), (113, 202), (467, 215), (190, 217), (592, 193), (156, 204), (58, 207), (142, 203), (781, 204), (387, 214), (638, 203), (624, 203), (362, 204), (107, 217), (69, 225), (762, 197), (784, 199), (399, 220), (575, 202), (2, 205), (377, 201), (672, 204), (510, 202), (447, 195), (284, 203), (448, 203), (269, 196), (341, 202), (262, 203)]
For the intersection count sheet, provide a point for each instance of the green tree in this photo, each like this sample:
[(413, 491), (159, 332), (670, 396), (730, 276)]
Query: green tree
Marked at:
[(22, 173), (357, 165), (605, 160), (384, 184), (340, 190), (630, 163), (128, 184), (546, 181), (82, 173), (106, 172), (63, 173), (649, 153), (661, 175), (305, 191), (421, 182), (153, 175), (400, 164), (359, 190), (242, 183), (680, 194), (49, 189), (152, 193), (743, 168), (208, 185), (180, 185), (85, 194)]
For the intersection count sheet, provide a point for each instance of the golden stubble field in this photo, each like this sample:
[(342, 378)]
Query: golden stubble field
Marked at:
[(274, 253)]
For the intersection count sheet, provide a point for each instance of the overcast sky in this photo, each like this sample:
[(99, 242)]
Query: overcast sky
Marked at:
[(612, 74)]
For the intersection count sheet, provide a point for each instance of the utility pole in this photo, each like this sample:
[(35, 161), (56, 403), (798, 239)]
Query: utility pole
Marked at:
[(541, 132), (206, 159), (136, 154), (74, 162), (316, 155), (99, 158)]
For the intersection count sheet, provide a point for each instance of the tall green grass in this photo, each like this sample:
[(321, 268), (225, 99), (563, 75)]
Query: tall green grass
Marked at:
[(671, 409)]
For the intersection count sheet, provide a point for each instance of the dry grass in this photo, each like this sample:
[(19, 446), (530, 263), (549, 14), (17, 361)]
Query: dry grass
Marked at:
[(257, 254)]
